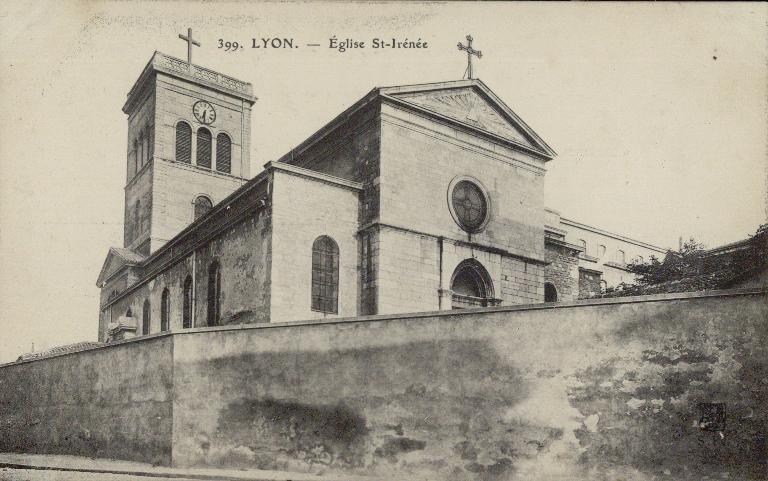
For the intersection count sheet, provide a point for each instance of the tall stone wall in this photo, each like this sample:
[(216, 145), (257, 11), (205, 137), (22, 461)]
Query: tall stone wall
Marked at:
[(593, 390), (563, 271), (668, 387), (109, 402)]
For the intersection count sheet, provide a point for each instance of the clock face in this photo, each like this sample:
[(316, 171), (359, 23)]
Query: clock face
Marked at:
[(204, 112)]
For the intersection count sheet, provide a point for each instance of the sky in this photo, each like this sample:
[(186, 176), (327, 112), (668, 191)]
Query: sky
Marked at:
[(657, 113)]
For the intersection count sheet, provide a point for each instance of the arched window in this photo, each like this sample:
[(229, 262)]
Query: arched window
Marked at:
[(186, 315), (137, 218), (550, 293), (136, 165), (325, 275), (223, 153), (471, 286), (150, 142), (601, 250), (165, 310), (141, 149), (204, 148), (583, 245), (145, 146), (202, 205), (621, 257), (183, 143), (214, 293), (145, 317), (128, 313)]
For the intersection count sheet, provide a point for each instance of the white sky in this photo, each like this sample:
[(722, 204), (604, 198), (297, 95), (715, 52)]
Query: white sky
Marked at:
[(656, 138)]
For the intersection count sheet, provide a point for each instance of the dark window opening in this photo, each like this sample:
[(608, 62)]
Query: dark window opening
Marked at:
[(204, 148), (471, 286), (214, 294), (165, 309), (183, 143), (223, 153), (187, 301), (202, 205), (137, 219), (145, 318), (550, 293), (325, 275)]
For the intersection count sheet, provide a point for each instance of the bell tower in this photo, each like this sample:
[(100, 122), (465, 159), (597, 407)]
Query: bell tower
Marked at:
[(188, 147)]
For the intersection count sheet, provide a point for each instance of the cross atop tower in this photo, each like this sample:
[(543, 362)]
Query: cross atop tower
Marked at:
[(470, 51), (190, 42)]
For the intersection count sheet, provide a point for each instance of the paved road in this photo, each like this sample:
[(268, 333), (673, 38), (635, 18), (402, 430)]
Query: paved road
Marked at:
[(8, 474)]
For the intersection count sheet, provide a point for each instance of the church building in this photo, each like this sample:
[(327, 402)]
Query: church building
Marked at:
[(416, 198)]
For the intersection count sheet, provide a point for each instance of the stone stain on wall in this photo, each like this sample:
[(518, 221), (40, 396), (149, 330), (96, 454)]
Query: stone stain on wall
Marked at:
[(644, 408), (402, 419)]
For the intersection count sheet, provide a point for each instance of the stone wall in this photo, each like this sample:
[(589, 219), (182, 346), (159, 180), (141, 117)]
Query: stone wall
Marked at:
[(109, 402), (667, 387), (589, 283), (563, 271), (305, 207), (602, 390)]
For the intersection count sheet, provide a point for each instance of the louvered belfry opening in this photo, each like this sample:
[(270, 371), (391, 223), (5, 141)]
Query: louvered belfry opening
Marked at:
[(184, 143), (223, 153), (204, 148)]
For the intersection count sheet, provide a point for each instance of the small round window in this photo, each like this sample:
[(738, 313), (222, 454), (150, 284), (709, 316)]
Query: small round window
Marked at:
[(469, 205)]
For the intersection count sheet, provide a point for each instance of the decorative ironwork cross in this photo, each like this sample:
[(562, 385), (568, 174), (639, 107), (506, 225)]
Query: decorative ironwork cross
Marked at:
[(190, 42), (470, 51)]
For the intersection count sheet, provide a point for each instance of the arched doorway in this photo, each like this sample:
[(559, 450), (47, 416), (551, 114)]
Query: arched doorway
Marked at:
[(471, 286), (550, 293)]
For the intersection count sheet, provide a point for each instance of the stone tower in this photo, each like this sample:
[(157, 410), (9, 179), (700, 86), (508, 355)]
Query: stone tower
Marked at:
[(188, 147)]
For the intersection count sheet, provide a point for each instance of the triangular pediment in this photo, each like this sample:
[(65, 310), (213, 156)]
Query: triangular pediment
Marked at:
[(116, 259), (471, 103)]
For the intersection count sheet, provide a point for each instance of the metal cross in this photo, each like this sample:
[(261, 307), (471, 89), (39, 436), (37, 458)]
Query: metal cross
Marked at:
[(470, 51), (190, 42)]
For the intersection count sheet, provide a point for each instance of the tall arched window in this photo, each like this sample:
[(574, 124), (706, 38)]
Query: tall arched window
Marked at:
[(202, 205), (325, 275), (214, 293), (136, 166), (621, 257), (145, 146), (137, 218), (128, 313), (186, 314), (141, 149), (583, 245), (145, 317), (165, 310), (471, 286), (183, 143), (550, 293), (204, 147), (601, 250), (223, 153)]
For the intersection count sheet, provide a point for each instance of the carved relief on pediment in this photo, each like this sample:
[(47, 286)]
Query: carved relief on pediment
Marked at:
[(468, 107)]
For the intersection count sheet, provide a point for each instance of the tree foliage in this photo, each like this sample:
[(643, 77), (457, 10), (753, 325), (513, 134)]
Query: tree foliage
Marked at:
[(694, 268)]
